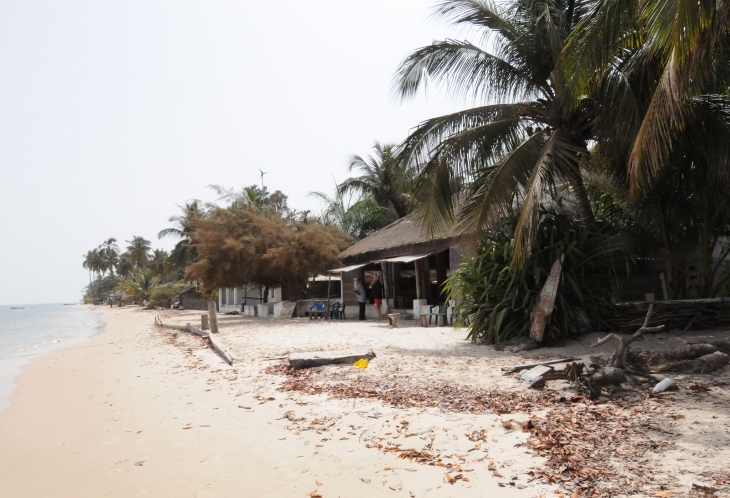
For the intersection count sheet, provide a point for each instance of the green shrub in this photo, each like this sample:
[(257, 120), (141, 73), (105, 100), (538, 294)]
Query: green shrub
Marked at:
[(496, 299), (167, 291)]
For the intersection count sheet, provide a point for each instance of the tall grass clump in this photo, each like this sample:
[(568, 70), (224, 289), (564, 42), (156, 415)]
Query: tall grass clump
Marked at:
[(495, 300)]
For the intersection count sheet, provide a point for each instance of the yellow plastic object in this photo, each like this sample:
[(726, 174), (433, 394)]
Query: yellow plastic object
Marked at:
[(361, 363)]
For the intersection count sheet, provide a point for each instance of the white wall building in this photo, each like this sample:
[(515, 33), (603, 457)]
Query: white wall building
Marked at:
[(245, 299)]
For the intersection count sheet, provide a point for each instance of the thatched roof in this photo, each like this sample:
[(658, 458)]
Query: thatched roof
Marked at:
[(404, 232)]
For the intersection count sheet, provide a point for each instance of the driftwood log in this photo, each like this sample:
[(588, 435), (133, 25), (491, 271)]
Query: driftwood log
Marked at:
[(704, 364), (572, 373), (623, 364), (519, 368), (624, 341), (605, 377), (321, 358)]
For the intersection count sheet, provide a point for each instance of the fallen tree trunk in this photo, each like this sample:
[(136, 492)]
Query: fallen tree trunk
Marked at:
[(532, 365), (214, 342), (656, 358), (320, 358), (703, 364)]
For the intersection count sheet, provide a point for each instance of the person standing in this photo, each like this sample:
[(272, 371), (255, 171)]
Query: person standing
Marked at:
[(360, 295), (377, 292)]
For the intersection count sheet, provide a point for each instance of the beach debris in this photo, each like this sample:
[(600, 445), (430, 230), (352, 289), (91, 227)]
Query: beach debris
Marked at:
[(365, 480), (532, 365), (361, 363), (292, 417), (662, 386), (514, 425), (452, 478), (140, 463), (320, 358), (214, 341), (597, 449), (535, 372)]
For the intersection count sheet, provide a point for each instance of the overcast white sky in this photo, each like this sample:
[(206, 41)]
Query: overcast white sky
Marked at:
[(112, 112)]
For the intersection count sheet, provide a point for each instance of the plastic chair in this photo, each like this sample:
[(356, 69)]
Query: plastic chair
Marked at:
[(442, 308), (334, 310)]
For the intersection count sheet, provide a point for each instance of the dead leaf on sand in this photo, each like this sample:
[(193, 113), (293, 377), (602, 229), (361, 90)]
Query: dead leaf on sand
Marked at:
[(451, 479), (305, 471), (366, 481), (318, 483)]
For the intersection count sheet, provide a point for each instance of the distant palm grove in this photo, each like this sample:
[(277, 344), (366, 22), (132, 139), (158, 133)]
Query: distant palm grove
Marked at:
[(597, 131)]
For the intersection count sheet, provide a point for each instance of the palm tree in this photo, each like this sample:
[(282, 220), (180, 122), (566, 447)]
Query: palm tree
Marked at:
[(687, 40), (356, 215), (668, 141), (183, 252), (140, 284), (124, 265), (109, 252), (92, 262), (138, 251), (480, 164), (386, 179), (158, 262)]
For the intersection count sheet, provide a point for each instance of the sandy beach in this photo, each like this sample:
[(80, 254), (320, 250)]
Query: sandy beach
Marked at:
[(141, 410)]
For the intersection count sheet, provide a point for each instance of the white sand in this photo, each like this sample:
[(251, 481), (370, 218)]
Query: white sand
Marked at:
[(108, 417)]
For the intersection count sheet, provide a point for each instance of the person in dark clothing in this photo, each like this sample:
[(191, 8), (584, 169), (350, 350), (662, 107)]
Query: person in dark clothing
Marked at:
[(360, 295), (377, 292)]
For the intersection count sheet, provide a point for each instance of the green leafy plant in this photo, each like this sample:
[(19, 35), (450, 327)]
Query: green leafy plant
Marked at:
[(167, 291), (495, 299), (140, 285)]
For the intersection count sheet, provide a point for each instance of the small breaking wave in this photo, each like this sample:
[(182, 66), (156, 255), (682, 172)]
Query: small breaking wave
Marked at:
[(36, 346)]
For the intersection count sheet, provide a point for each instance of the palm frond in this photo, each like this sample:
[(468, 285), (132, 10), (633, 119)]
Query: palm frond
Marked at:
[(479, 14), (419, 145), (492, 195), (466, 71), (664, 118), (592, 45), (558, 158)]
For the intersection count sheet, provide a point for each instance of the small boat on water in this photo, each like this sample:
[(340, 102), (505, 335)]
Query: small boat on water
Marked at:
[(16, 308), (69, 304)]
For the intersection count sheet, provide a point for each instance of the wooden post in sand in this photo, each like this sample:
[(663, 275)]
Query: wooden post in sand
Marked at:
[(203, 322), (383, 267), (327, 311), (213, 317)]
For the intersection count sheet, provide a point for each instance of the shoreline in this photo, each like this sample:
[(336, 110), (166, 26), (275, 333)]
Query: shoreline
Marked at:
[(15, 361), (148, 412)]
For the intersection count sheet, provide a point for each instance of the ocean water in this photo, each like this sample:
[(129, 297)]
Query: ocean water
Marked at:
[(37, 329)]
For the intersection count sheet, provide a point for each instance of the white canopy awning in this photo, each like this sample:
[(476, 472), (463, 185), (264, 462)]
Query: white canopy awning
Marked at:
[(325, 278), (345, 269), (404, 259)]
